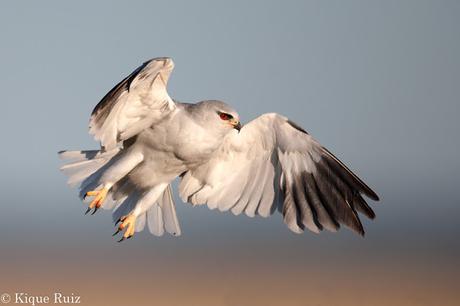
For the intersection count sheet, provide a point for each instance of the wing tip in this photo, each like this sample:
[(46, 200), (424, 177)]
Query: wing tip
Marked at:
[(363, 187), (371, 194)]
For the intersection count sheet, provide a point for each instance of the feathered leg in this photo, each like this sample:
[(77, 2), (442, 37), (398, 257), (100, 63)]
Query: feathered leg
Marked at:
[(111, 176)]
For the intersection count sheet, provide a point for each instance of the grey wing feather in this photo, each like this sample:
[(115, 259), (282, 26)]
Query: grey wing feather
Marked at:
[(273, 163), (137, 102)]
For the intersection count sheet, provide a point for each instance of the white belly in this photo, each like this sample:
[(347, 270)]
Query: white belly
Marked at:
[(169, 150)]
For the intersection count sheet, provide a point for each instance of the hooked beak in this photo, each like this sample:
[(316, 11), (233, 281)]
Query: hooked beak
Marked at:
[(236, 124)]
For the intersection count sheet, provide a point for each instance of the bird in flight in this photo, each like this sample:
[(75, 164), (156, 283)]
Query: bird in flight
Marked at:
[(147, 140)]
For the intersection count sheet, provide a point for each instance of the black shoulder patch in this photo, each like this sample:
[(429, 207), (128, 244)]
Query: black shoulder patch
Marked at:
[(297, 127), (116, 91)]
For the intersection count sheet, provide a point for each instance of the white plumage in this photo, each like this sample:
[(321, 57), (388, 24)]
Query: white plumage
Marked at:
[(147, 140)]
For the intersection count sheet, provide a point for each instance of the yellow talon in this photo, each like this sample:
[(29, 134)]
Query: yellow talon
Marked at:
[(99, 197), (128, 224)]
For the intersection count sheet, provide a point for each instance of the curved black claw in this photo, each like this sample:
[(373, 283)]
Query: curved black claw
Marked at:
[(87, 211), (114, 234), (118, 221), (95, 209), (122, 238)]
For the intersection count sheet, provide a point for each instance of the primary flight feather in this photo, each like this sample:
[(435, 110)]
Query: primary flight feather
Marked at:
[(148, 139)]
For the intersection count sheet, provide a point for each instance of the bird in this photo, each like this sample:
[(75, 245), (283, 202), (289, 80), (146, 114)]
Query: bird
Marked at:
[(147, 140)]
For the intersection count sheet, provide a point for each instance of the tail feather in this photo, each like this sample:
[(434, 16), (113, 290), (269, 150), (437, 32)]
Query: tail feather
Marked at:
[(169, 212), (78, 155), (83, 164), (161, 216), (155, 220), (77, 172)]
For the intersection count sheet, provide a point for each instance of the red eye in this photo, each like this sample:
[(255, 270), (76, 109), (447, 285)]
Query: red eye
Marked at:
[(224, 116)]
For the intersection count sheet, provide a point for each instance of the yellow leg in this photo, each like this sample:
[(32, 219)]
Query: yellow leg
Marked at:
[(128, 225), (99, 198)]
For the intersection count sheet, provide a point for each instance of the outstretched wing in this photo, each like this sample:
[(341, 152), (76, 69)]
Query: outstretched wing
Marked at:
[(134, 104), (272, 163)]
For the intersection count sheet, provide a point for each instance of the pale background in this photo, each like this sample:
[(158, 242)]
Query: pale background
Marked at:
[(377, 82)]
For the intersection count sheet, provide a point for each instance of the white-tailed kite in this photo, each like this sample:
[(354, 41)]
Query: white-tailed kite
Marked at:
[(148, 140)]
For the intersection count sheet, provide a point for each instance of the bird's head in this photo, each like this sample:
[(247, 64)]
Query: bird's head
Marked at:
[(220, 116)]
